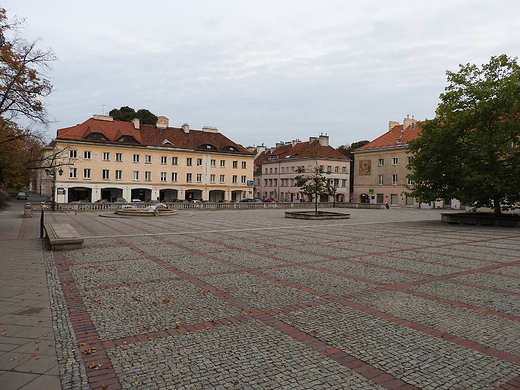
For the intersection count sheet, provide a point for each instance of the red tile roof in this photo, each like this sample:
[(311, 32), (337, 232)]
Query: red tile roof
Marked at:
[(301, 150), (102, 131), (396, 137)]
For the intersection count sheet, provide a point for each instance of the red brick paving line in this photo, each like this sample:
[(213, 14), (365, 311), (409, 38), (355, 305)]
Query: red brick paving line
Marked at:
[(92, 350), (484, 349), (513, 384)]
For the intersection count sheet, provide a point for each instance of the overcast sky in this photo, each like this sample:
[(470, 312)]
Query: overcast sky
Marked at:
[(267, 71)]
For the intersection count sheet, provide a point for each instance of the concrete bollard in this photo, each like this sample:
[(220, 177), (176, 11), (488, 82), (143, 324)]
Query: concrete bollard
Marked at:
[(27, 211)]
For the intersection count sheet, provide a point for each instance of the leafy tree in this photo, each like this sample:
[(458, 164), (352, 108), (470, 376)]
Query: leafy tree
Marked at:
[(23, 84), (470, 151), (314, 184), (127, 114)]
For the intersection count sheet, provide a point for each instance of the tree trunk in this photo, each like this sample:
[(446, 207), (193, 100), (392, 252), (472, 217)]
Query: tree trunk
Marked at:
[(496, 205)]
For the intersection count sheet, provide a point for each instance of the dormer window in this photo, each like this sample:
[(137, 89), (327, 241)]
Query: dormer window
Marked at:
[(96, 137), (127, 139), (166, 142), (207, 146), (230, 149)]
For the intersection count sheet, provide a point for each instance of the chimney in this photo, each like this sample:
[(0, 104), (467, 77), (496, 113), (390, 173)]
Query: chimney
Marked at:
[(312, 139), (324, 140), (162, 122), (209, 129), (392, 124), (137, 123), (186, 128), (278, 144), (103, 118), (407, 122), (295, 141)]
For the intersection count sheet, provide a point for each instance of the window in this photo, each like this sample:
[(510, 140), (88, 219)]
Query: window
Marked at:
[(73, 153), (136, 158), (189, 177), (199, 177), (329, 169), (106, 156), (235, 164), (275, 182), (276, 170), (164, 160), (175, 160), (244, 164), (86, 154), (393, 199), (163, 176), (147, 159), (119, 157), (174, 176), (86, 173), (222, 163), (119, 174), (336, 169), (212, 178), (270, 170), (394, 180), (343, 169), (213, 163), (292, 169), (234, 179), (395, 160), (222, 178), (135, 174), (73, 173), (106, 174), (380, 180), (266, 170), (343, 182), (409, 182), (265, 182), (243, 179), (148, 176), (381, 162), (189, 161), (270, 182), (199, 162)]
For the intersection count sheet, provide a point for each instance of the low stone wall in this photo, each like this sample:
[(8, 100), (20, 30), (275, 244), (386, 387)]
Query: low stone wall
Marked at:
[(484, 219)]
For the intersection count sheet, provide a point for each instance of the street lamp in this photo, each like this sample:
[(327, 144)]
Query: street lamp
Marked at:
[(52, 173)]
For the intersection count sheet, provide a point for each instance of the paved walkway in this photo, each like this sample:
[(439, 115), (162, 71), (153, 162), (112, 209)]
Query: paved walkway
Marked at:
[(27, 348), (246, 299)]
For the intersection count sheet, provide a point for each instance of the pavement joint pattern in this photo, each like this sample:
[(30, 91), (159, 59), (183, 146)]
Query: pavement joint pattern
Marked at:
[(389, 299)]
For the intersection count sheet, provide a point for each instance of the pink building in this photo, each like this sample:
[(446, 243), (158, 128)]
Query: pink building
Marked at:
[(277, 167)]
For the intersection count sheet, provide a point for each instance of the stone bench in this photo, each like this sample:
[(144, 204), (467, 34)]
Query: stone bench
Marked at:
[(62, 236)]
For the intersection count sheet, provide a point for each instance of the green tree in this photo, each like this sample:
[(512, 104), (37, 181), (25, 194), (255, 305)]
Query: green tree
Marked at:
[(470, 151), (314, 184), (127, 114)]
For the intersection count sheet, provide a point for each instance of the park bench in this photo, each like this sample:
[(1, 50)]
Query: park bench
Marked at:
[(62, 236)]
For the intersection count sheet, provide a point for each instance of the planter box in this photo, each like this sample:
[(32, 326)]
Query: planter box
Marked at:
[(483, 219), (313, 215)]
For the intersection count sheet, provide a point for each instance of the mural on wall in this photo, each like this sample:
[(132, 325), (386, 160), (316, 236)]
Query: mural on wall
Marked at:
[(365, 167)]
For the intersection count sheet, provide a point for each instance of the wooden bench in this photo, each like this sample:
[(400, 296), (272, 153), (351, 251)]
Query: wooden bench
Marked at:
[(62, 236)]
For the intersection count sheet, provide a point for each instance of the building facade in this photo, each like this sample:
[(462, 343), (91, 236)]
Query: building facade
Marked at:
[(277, 167), (103, 159), (380, 169)]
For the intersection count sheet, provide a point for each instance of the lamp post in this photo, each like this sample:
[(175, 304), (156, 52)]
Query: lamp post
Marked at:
[(52, 173)]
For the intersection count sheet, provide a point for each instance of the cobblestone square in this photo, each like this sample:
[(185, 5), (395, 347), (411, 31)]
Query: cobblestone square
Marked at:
[(246, 299)]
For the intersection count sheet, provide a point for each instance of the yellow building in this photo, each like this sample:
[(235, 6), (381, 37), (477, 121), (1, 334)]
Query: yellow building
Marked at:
[(103, 159)]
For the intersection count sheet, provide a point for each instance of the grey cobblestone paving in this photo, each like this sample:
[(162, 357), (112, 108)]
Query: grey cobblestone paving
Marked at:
[(261, 358), (129, 310), (261, 293), (368, 272), (251, 300), (500, 302), (405, 353), (497, 332)]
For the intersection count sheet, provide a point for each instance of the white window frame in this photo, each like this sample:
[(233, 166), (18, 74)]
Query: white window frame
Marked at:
[(73, 173), (106, 156), (119, 157), (87, 173), (136, 158), (118, 174), (135, 175), (87, 155), (105, 174)]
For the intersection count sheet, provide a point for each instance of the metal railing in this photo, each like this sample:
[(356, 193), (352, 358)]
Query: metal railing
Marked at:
[(202, 205)]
